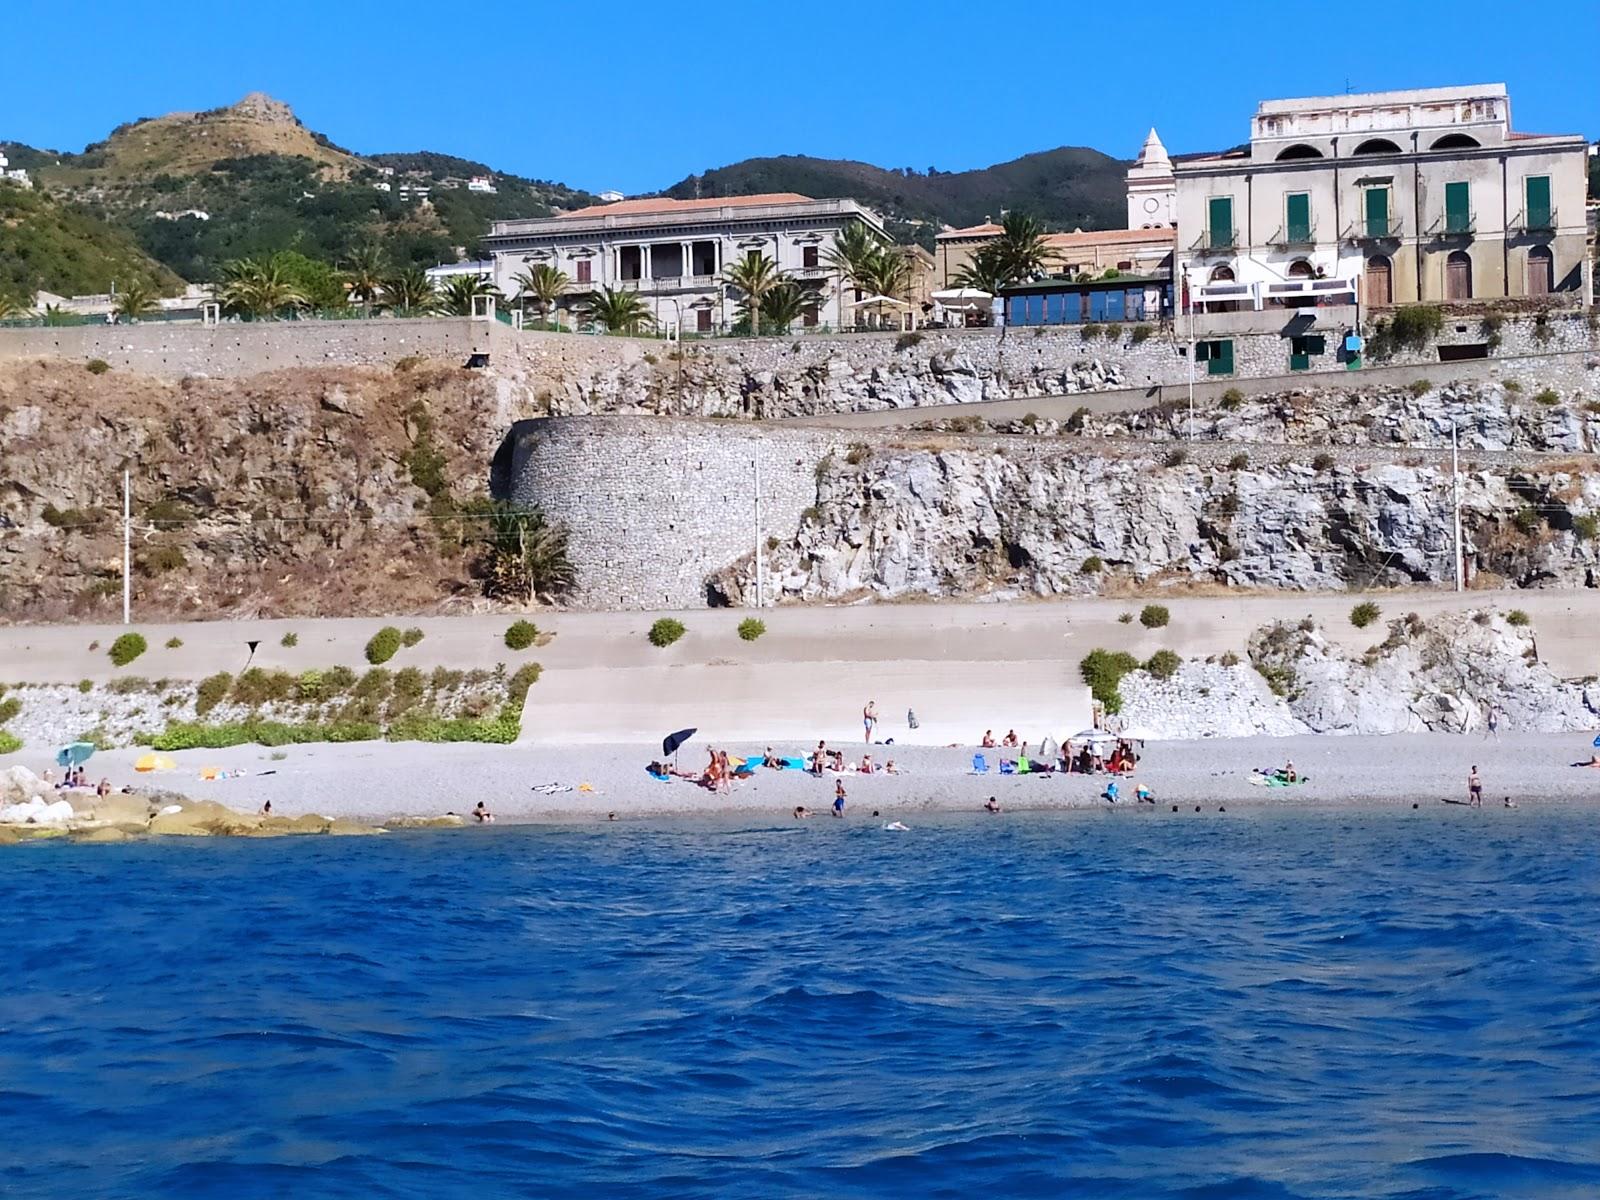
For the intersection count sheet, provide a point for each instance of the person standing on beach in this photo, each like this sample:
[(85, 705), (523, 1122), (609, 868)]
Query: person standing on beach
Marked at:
[(869, 719), (838, 798), (1474, 788), (1492, 729)]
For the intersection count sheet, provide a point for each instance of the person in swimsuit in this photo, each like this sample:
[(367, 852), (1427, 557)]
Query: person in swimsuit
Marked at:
[(992, 804), (1474, 788), (838, 798), (482, 814), (869, 719)]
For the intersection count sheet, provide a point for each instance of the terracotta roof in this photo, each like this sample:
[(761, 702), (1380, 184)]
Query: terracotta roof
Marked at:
[(1111, 237), (664, 204), (970, 231)]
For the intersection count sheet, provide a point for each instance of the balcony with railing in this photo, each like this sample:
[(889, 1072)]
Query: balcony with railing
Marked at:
[(1454, 224), (1373, 229), (1535, 221), (1217, 241), (1295, 233)]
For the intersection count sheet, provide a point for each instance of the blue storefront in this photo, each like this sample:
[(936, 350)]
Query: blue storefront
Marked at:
[(1064, 302)]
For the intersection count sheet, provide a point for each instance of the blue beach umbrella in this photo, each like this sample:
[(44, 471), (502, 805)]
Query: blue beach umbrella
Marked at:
[(1597, 741), (74, 754)]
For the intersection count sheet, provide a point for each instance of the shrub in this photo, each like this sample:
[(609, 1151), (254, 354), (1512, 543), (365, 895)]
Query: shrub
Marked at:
[(517, 686), (858, 453), (10, 743), (373, 685), (1092, 565), (211, 691), (751, 628), (1517, 618), (309, 685), (1586, 527), (409, 683), (1239, 461), (174, 643), (385, 644), (907, 340), (85, 686), (1526, 519), (158, 560), (665, 631), (1229, 659), (338, 679), (1163, 664), (289, 641), (68, 518), (1175, 458), (1231, 399), (192, 736), (1364, 614), (1154, 616), (255, 687), (9, 707), (1141, 333), (1103, 670), (1548, 397), (1415, 325), (1512, 386), (1125, 618), (1076, 420), (97, 366), (127, 648), (1322, 462), (411, 637), (1420, 387), (521, 634)]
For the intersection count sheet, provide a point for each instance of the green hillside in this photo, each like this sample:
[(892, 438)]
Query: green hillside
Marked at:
[(1067, 188), (46, 245)]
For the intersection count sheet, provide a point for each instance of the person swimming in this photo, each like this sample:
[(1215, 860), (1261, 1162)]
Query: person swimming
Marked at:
[(992, 805), (482, 814), (897, 827)]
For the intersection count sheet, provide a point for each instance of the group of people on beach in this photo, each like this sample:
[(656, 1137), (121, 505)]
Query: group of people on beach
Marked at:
[(1088, 759), (76, 778)]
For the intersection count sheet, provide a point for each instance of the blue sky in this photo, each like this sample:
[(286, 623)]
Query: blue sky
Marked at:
[(637, 95)]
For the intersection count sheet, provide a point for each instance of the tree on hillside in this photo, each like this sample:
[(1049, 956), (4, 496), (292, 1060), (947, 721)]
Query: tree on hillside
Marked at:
[(619, 312), (785, 304), (459, 291), (544, 284), (755, 275), (134, 301), (321, 286), (364, 269), (410, 293), (525, 555), (258, 289)]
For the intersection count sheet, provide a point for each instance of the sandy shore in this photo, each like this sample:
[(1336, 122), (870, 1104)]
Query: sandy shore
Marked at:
[(379, 780)]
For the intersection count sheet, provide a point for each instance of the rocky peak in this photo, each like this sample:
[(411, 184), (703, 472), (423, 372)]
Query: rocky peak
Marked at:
[(258, 106)]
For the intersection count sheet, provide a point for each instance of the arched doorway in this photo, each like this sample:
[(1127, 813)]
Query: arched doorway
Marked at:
[(1541, 271), (1380, 281), (1458, 276), (1300, 269), (1223, 274)]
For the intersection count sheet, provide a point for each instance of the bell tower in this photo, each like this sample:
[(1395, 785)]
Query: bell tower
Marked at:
[(1152, 191)]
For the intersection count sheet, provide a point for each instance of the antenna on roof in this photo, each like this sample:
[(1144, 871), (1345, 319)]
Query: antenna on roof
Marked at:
[(1347, 88)]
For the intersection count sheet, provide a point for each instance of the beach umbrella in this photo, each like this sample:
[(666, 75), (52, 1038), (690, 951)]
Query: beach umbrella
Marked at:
[(1597, 740), (154, 762), (670, 743), (74, 753), (1140, 733)]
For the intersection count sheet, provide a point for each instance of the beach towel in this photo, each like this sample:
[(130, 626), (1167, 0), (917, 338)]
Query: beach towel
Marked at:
[(653, 775), (1022, 766), (792, 764), (980, 765)]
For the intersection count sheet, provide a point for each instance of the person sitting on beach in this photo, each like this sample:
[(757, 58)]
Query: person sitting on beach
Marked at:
[(988, 739), (266, 809), (890, 769), (866, 764), (992, 804), (1290, 775), (482, 815), (1143, 795), (838, 798), (1111, 792), (836, 761), (769, 759), (104, 788), (1010, 738)]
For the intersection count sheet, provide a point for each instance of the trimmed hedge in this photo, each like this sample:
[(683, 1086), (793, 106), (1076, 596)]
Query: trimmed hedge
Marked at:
[(751, 628), (665, 631), (521, 634), (127, 648), (1154, 616), (385, 644)]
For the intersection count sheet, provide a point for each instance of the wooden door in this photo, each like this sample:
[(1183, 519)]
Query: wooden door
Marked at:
[(1458, 276), (1541, 272), (1380, 282)]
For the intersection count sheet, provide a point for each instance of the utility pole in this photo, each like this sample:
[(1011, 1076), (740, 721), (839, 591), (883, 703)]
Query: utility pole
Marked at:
[(1455, 483), (1190, 314), (127, 548), (759, 581)]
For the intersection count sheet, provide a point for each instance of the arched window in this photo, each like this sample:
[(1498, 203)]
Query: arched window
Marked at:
[(1300, 269), (1541, 271), (1455, 141), (1298, 150), (1458, 276), (1222, 274), (1380, 281), (1377, 146)]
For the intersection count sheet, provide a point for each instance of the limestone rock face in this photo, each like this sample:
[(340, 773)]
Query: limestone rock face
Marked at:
[(1207, 700)]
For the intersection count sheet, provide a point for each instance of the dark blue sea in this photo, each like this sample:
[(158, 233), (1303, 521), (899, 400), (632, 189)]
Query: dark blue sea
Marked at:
[(1266, 1004)]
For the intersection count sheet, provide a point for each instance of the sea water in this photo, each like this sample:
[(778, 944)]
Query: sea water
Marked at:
[(1267, 1004)]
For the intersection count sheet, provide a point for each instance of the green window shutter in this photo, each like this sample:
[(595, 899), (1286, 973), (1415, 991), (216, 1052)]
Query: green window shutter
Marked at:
[(1457, 208), (1221, 362), (1538, 201), (1219, 221), (1297, 216), (1202, 351), (1299, 362), (1377, 212), (1316, 344)]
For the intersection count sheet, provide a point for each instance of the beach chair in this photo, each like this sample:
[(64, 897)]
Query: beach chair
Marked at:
[(980, 765)]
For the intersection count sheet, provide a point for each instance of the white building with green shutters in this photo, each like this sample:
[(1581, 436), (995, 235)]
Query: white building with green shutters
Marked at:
[(1383, 198)]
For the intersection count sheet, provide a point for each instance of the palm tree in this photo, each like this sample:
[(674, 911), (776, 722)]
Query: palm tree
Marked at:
[(134, 301), (527, 555), (985, 272), (260, 290), (54, 314), (460, 291), (364, 269), (619, 312), (545, 283), (755, 275), (1022, 251), (10, 307), (785, 304), (886, 272), (409, 293), (853, 253)]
